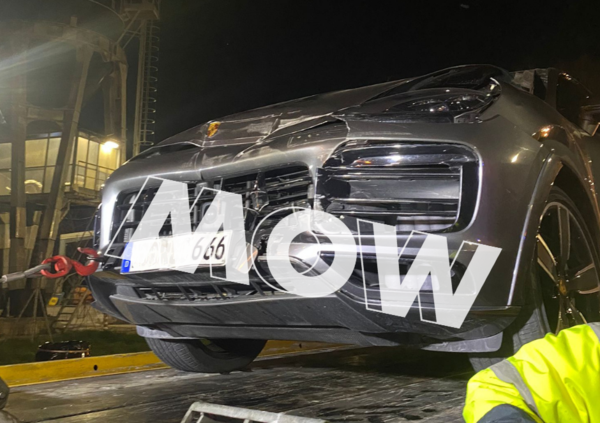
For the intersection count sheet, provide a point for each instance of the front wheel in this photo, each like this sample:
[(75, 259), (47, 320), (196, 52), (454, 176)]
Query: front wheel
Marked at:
[(206, 356), (4, 391), (565, 286)]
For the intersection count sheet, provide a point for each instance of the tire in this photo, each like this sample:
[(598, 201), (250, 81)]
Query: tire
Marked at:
[(541, 315), (4, 391), (206, 356)]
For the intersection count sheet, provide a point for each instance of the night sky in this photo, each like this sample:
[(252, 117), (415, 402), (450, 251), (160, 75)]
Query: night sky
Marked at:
[(219, 57)]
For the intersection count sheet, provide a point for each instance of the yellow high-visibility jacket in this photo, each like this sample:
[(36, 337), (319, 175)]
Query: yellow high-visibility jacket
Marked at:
[(554, 379)]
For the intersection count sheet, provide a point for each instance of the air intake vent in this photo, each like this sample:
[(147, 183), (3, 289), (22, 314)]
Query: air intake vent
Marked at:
[(414, 186)]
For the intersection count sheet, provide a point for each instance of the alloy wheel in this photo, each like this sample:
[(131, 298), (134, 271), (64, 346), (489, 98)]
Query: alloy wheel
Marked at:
[(569, 275)]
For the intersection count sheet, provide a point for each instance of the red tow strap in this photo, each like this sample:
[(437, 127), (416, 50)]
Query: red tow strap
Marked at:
[(63, 265)]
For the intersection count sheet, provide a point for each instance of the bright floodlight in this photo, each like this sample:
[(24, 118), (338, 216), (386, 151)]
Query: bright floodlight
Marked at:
[(110, 145)]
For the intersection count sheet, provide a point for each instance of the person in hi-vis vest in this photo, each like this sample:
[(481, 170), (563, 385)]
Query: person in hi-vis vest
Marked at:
[(553, 379)]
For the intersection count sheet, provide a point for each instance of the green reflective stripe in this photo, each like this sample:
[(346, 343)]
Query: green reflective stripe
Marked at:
[(507, 372), (595, 326)]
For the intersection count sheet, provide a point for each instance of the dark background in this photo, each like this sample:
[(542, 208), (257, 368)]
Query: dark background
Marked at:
[(219, 57)]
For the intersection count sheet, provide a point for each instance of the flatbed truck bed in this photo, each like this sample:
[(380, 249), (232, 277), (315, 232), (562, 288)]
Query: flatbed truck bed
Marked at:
[(371, 385)]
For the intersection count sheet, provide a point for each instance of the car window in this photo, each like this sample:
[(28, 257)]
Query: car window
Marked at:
[(570, 97)]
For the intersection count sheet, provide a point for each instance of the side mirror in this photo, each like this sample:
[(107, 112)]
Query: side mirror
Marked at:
[(589, 118)]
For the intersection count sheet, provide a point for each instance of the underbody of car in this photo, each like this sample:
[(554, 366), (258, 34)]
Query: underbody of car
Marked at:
[(470, 153)]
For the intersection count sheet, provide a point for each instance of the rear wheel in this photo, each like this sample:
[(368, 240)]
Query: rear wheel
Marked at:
[(206, 356), (565, 289)]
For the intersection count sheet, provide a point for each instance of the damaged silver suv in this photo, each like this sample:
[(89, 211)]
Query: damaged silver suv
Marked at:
[(473, 153)]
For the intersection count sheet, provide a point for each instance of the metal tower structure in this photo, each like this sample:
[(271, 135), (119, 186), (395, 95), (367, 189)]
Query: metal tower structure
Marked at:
[(144, 15)]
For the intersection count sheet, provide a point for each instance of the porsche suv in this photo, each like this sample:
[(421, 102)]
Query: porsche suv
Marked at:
[(472, 153)]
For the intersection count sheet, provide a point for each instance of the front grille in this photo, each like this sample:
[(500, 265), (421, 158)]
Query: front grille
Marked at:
[(262, 193), (272, 190), (413, 186)]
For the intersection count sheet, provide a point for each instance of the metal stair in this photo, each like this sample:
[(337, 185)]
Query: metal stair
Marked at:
[(70, 308)]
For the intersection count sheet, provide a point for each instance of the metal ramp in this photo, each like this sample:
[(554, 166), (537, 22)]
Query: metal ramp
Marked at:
[(203, 412)]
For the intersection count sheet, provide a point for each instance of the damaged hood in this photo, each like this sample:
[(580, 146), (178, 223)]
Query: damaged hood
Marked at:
[(398, 100), (279, 119)]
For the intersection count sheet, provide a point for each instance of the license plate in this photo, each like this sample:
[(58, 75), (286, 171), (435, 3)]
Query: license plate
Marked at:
[(161, 254)]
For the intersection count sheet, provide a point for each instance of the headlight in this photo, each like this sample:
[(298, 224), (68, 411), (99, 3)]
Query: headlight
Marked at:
[(436, 105), (444, 103)]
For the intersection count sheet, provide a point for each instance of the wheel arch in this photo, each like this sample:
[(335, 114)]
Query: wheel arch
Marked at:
[(574, 187), (561, 173)]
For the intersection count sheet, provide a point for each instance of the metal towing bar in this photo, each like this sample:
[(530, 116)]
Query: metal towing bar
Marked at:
[(53, 267)]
